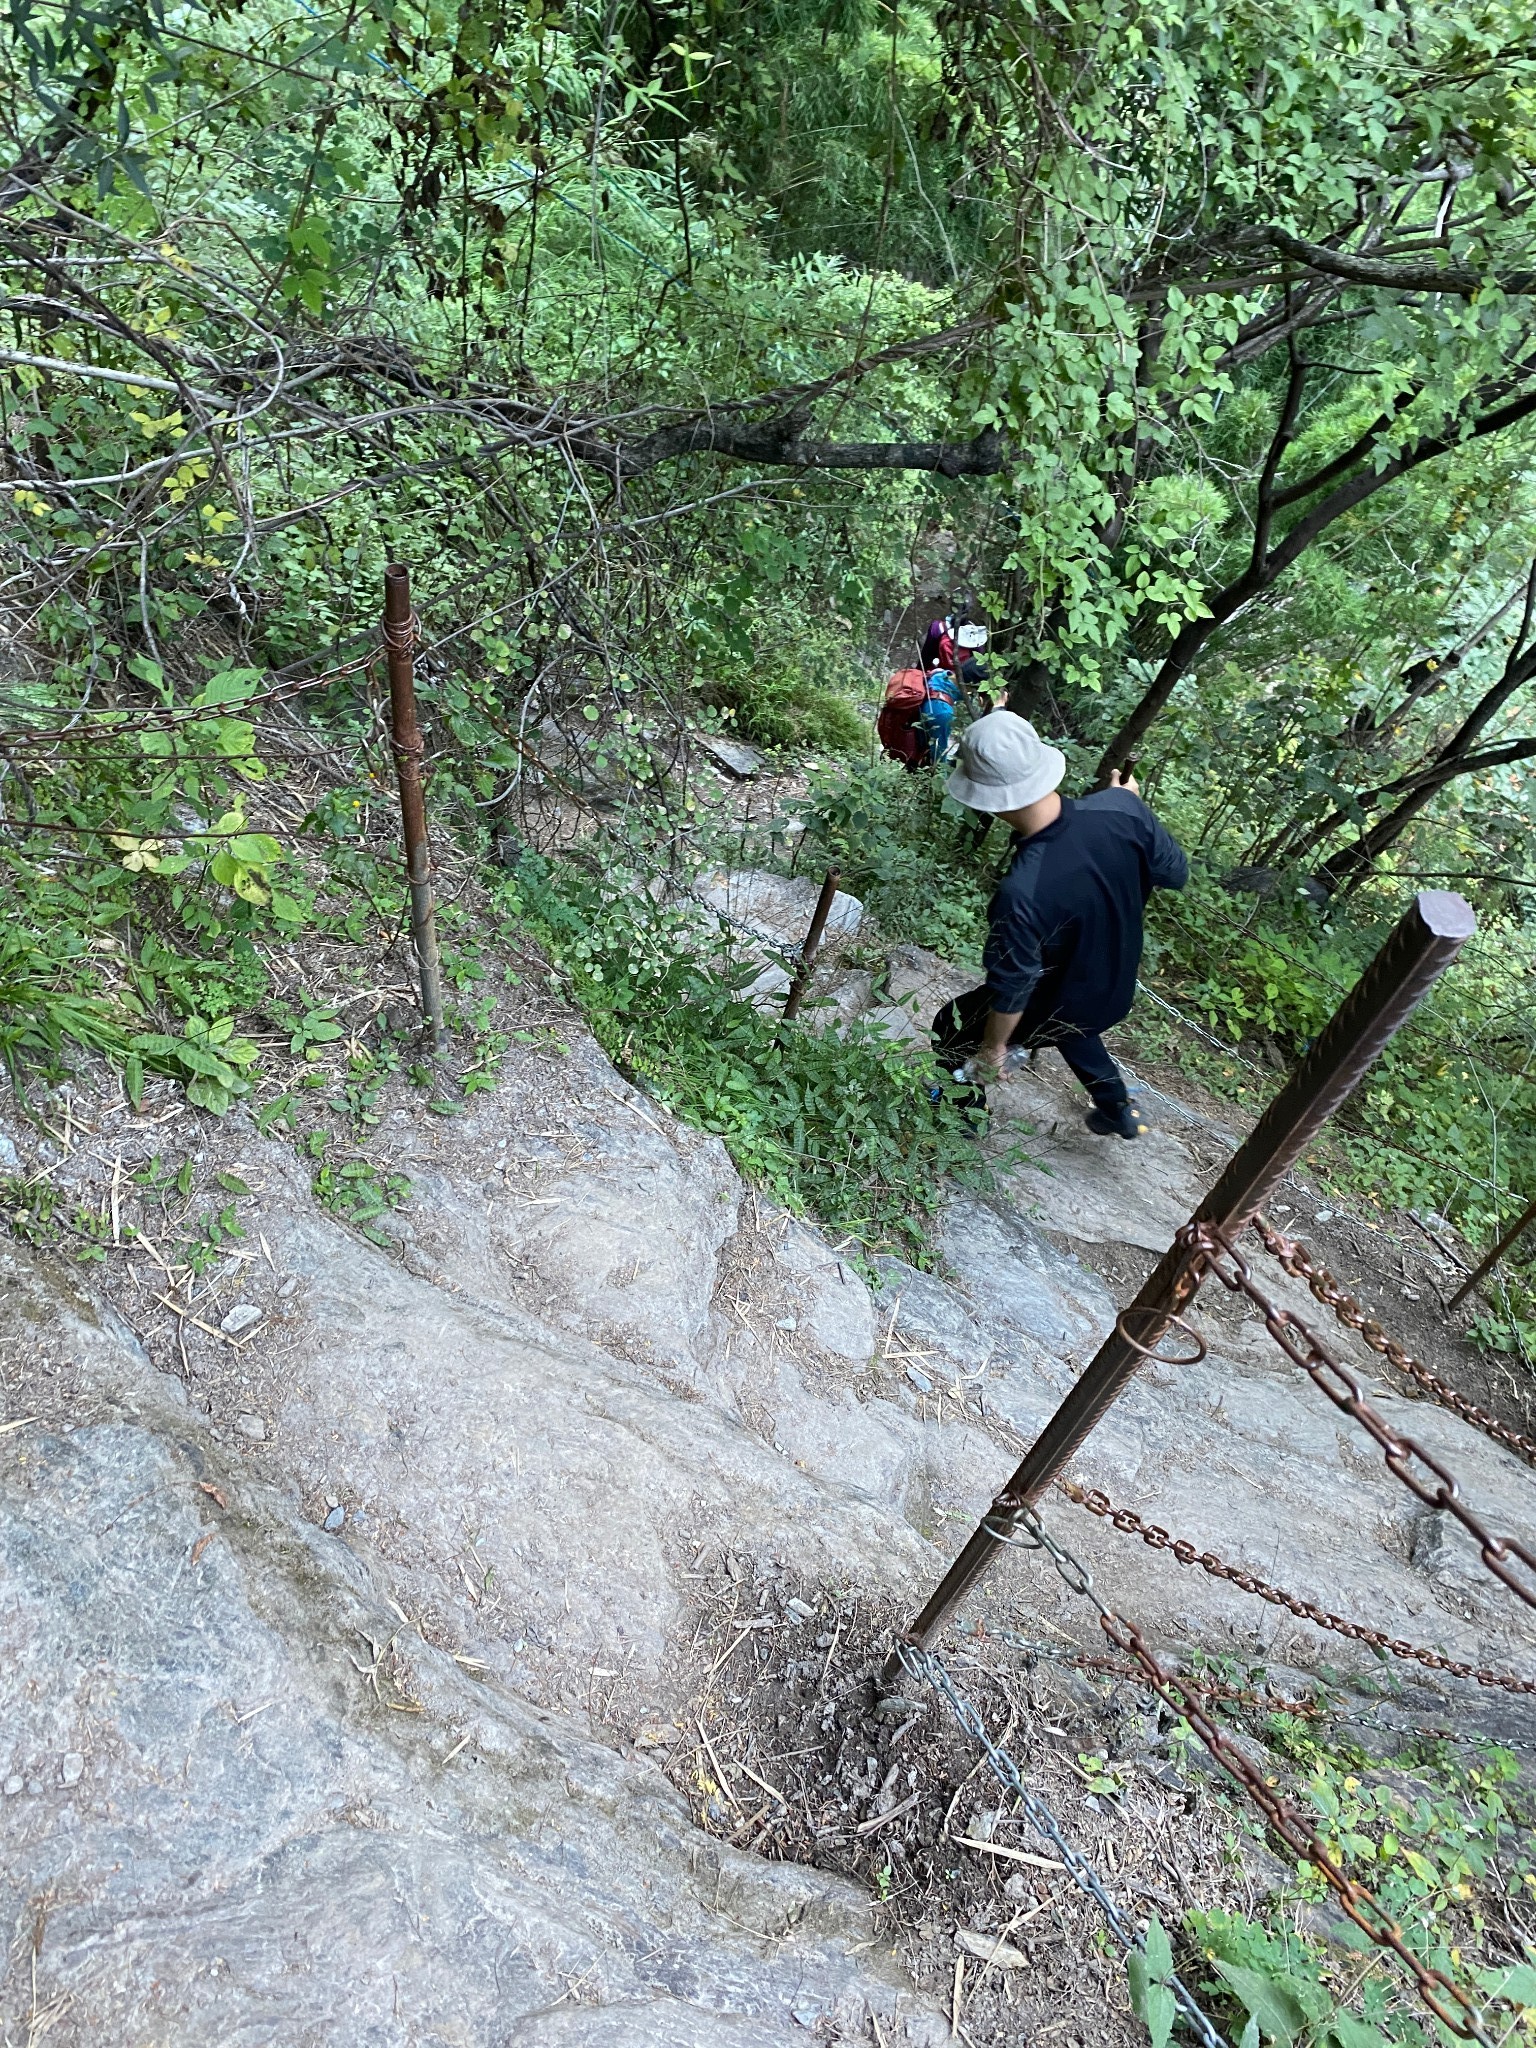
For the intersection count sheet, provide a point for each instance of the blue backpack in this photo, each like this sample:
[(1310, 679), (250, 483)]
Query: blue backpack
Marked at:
[(937, 717)]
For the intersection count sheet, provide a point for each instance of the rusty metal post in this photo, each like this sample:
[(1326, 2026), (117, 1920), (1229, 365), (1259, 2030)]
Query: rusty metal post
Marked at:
[(1424, 942), (811, 948), (406, 743), (1516, 1229)]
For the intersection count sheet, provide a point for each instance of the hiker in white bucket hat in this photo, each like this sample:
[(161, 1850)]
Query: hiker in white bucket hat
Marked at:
[(1065, 926), (1004, 766)]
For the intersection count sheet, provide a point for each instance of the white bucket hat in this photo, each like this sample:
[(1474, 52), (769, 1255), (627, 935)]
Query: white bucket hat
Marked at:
[(1004, 765)]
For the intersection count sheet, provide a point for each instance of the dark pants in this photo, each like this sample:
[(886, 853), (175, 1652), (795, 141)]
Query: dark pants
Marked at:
[(957, 1034)]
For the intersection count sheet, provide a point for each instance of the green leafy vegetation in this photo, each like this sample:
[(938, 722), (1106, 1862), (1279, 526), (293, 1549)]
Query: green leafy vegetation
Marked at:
[(1443, 1838), (688, 356), (841, 1124)]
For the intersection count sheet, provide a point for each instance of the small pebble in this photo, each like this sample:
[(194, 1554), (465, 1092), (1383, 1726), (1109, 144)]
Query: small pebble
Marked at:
[(289, 1289), (251, 1426), (334, 1520), (785, 1323), (13, 1785), (1325, 1215), (896, 1707), (801, 1608), (72, 1770), (241, 1317), (920, 1380)]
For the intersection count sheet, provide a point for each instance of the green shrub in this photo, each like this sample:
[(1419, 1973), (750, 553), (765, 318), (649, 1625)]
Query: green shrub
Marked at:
[(844, 1126), (913, 857)]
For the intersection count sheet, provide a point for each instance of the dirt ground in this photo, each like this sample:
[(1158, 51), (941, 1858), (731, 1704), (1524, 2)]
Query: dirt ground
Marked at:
[(779, 1735)]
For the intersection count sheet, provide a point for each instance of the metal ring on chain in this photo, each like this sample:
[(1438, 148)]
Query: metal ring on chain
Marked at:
[(1014, 1542), (1170, 1322)]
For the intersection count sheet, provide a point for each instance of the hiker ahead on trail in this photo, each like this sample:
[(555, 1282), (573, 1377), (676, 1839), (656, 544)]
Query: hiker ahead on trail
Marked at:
[(916, 722), (1066, 922)]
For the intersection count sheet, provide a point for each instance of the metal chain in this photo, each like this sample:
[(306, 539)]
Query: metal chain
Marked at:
[(1024, 1530), (924, 1664), (1300, 1264), (1305, 1348), (1265, 1700), (1157, 1538)]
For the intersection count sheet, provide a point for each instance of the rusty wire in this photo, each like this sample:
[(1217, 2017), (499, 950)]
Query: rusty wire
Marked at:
[(1300, 1264), (1211, 1251), (1451, 2005), (1157, 1538)]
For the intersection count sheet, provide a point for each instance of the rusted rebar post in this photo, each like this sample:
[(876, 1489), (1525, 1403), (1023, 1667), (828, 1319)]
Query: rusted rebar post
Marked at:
[(406, 744), (1424, 942), (812, 946), (1517, 1229)]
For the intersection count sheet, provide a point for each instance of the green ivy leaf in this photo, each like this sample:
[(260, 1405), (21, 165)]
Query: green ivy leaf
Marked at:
[(1159, 1951), (1278, 2012), (1345, 2031)]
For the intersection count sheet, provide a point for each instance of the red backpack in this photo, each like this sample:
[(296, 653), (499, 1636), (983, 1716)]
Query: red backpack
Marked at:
[(906, 694)]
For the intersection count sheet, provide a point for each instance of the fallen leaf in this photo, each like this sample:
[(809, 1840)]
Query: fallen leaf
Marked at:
[(206, 1486), (202, 1543), (1002, 1955)]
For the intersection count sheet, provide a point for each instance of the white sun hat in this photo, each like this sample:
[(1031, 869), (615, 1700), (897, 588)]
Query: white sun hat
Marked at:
[(971, 637), (1004, 765)]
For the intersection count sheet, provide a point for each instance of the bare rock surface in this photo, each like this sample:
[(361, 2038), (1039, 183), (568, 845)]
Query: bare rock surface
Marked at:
[(256, 1803), (535, 1493), (768, 915), (589, 1355)]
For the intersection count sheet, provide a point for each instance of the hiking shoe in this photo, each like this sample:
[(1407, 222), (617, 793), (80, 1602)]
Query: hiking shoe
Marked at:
[(1125, 1122)]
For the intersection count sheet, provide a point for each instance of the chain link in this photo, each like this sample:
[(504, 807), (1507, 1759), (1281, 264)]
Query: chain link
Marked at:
[(1451, 2005), (1405, 1459), (924, 1664), (1262, 1701), (1300, 1264), (1157, 1538)]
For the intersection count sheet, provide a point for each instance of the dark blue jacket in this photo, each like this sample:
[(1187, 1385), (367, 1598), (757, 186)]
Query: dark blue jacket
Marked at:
[(1065, 938)]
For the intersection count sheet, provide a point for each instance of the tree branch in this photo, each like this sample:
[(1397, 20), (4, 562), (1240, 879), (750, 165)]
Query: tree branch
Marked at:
[(781, 444), (1226, 604), (1456, 278)]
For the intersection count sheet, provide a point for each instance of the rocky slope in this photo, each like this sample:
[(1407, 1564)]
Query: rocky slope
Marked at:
[(321, 1565)]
